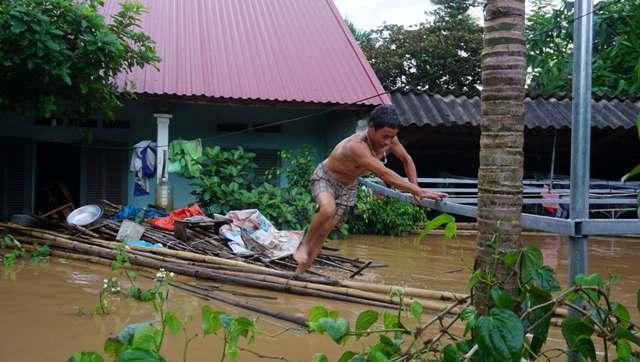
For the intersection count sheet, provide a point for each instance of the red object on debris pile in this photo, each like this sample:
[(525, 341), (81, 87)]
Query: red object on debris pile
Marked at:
[(168, 222)]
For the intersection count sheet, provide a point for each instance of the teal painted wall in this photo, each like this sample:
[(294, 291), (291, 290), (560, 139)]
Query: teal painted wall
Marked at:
[(197, 120)]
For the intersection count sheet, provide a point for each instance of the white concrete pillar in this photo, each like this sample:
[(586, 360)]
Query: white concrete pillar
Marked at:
[(162, 141)]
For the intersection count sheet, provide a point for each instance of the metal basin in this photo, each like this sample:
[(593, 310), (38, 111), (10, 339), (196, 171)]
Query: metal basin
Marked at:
[(84, 215)]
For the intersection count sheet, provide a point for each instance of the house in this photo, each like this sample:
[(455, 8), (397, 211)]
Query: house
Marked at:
[(442, 133), (227, 66)]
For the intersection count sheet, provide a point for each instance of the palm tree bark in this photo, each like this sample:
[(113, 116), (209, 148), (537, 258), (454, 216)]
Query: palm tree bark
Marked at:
[(501, 158)]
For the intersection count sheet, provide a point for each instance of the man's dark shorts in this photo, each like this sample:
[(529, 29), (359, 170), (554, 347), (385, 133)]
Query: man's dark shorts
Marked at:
[(344, 196)]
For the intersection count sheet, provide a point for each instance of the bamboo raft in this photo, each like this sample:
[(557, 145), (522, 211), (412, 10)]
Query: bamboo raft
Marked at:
[(208, 258)]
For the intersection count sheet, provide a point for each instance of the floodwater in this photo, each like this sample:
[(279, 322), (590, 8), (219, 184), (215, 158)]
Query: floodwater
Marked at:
[(45, 309)]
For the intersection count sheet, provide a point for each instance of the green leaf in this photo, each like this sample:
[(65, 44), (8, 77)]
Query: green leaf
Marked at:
[(416, 310), (377, 356), (86, 357), (450, 230), (593, 280), (633, 172), (541, 317), (173, 323), (113, 347), (126, 335), (584, 346), (623, 348), (574, 328), (139, 355), (436, 222), (147, 337), (545, 279), (510, 258), (336, 329), (210, 320), (347, 356), (502, 298), (450, 353), (320, 357), (530, 261), (475, 278), (365, 320), (316, 313), (500, 334), (621, 312), (469, 315), (622, 333), (390, 320)]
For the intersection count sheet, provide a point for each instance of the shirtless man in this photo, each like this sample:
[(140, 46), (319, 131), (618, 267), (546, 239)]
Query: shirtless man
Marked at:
[(334, 182)]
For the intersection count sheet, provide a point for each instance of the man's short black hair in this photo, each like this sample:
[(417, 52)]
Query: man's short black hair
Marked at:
[(384, 115)]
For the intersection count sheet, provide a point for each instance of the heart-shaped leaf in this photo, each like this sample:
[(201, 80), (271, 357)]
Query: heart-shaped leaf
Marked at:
[(500, 334), (573, 328), (530, 261), (365, 320), (173, 323), (416, 310), (210, 320), (336, 329)]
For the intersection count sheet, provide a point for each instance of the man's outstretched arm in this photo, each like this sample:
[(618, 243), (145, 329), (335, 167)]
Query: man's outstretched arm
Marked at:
[(363, 156)]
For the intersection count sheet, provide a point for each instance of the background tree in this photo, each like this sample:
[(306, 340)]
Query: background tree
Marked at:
[(501, 139), (61, 57), (438, 55), (616, 48)]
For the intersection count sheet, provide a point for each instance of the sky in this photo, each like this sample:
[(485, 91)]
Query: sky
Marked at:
[(369, 14)]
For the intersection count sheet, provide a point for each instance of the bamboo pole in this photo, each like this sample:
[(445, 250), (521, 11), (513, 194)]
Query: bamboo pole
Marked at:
[(209, 274)]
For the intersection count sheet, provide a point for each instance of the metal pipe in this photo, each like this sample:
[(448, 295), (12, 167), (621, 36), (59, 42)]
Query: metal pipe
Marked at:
[(580, 132), (580, 136)]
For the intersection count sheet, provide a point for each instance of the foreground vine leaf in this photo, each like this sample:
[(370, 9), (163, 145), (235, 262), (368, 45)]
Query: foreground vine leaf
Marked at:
[(500, 334)]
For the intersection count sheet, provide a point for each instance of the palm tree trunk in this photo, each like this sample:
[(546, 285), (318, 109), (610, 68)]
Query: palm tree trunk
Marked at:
[(501, 157)]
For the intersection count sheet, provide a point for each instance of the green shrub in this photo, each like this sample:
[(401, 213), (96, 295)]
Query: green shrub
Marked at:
[(384, 216)]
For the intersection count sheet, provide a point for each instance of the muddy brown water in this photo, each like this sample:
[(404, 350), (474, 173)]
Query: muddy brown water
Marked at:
[(45, 309)]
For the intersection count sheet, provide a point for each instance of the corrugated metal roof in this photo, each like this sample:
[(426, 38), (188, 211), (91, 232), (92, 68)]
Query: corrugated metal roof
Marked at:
[(282, 50), (437, 110)]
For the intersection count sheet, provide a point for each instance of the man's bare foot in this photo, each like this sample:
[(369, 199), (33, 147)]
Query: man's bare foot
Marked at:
[(301, 256)]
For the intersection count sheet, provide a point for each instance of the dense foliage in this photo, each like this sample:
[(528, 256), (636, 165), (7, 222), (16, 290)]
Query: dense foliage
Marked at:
[(616, 48), (373, 214), (226, 181), (61, 57), (438, 55)]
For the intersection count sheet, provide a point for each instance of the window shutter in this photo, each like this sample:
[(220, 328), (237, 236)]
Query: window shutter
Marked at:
[(106, 175), (15, 177), (265, 160)]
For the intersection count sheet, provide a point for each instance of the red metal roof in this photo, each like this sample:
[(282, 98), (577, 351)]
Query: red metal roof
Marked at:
[(280, 50)]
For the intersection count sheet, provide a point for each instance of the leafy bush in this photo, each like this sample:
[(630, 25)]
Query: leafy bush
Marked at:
[(226, 181), (384, 216)]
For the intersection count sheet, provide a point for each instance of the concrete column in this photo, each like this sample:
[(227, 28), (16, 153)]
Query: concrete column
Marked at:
[(162, 141)]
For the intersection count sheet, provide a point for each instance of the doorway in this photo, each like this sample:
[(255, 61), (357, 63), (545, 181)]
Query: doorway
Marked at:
[(57, 176)]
